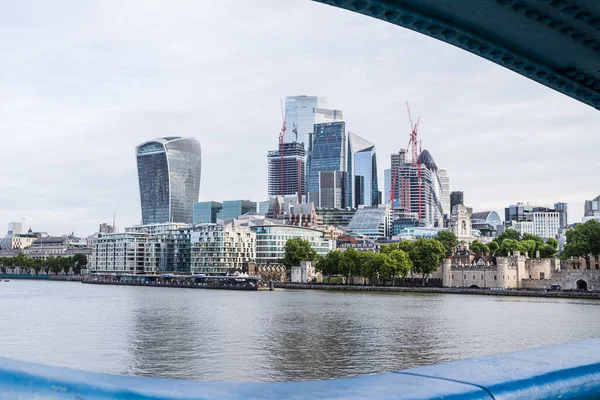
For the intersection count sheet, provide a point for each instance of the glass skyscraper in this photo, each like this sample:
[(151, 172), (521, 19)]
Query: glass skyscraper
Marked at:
[(206, 212), (235, 208), (169, 177), (363, 186), (328, 152), (302, 113)]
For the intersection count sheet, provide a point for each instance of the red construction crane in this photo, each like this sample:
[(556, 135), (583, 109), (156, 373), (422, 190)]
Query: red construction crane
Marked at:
[(299, 169), (414, 144), (281, 153)]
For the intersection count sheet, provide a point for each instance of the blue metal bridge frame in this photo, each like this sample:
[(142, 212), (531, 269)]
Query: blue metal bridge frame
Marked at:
[(553, 42), (568, 372)]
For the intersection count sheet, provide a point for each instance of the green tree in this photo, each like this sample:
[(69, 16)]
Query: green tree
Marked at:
[(547, 251), (448, 239), (328, 265), (297, 250), (426, 256), (530, 247), (371, 264), (493, 246), (54, 265), (479, 247), (349, 264), (66, 263), (403, 264), (385, 265), (509, 233), (552, 242), (38, 264), (388, 248), (509, 245), (583, 241), (530, 236), (79, 262)]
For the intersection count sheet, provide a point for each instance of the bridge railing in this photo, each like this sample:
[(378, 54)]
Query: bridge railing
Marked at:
[(568, 371)]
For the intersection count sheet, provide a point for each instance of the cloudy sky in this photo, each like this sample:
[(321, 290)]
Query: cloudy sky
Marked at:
[(82, 83)]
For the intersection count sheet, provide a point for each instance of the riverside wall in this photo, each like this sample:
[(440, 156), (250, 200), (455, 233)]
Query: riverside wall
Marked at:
[(487, 292)]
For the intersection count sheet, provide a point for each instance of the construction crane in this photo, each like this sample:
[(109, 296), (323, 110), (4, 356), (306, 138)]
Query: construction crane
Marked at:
[(299, 168), (414, 144), (281, 153)]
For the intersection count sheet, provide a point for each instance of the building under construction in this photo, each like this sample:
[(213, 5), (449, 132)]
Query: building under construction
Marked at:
[(287, 172), (420, 199)]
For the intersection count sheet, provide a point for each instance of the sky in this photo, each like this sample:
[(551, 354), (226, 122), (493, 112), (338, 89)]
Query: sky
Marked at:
[(82, 83)]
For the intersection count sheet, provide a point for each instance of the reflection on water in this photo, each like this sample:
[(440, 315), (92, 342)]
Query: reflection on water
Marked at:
[(271, 336)]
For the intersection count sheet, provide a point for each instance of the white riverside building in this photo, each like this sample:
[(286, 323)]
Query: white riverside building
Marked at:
[(204, 248), (545, 224)]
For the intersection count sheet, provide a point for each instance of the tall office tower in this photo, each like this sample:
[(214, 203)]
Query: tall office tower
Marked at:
[(445, 193), (362, 183), (561, 209), (456, 198), (206, 212), (414, 197), (169, 176), (291, 168), (332, 189), (592, 207), (328, 152), (387, 185), (303, 112)]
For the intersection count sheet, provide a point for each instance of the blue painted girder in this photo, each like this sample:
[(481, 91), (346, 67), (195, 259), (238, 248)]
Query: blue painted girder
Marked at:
[(568, 372), (553, 42)]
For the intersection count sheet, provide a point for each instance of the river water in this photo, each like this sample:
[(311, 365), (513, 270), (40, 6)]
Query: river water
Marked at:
[(271, 336)]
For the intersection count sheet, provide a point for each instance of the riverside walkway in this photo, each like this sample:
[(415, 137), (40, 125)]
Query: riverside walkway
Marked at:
[(568, 371)]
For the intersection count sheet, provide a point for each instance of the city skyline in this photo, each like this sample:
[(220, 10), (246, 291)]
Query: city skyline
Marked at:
[(125, 84)]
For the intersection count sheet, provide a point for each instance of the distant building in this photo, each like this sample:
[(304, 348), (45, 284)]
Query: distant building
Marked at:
[(338, 217), (460, 223), (234, 208), (418, 232), (328, 152), (486, 222), (217, 248), (332, 189), (372, 222), (271, 239), (169, 178), (302, 113), (561, 209), (304, 273), (387, 185), (592, 207), (287, 174), (362, 186), (444, 194), (537, 220), (456, 198), (106, 228), (206, 212)]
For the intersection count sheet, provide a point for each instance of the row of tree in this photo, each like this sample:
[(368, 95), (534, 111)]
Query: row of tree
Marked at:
[(55, 265), (394, 260)]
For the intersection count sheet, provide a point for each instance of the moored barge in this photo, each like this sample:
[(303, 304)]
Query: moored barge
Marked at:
[(198, 281)]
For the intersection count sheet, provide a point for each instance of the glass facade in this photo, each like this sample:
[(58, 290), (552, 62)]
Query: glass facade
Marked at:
[(235, 208), (328, 152), (206, 212), (271, 239), (373, 222), (303, 112), (169, 178), (332, 186), (362, 164)]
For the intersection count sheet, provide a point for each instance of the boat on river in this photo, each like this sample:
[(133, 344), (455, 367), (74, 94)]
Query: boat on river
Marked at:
[(196, 281)]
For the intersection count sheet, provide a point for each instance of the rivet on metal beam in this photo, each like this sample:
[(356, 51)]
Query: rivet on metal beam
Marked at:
[(529, 70), (375, 11), (472, 45), (588, 81), (484, 50), (434, 29), (507, 60), (583, 16), (390, 15), (420, 25), (449, 35), (463, 40), (359, 5), (568, 88), (570, 72), (407, 20), (579, 76), (519, 65), (519, 7), (495, 55), (571, 10)]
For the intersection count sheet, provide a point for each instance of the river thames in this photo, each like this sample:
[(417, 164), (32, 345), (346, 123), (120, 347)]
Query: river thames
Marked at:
[(271, 336)]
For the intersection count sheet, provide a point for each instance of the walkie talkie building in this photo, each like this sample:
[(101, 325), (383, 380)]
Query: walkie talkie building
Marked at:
[(169, 176)]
